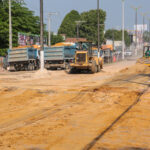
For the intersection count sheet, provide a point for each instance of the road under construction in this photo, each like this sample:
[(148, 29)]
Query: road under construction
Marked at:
[(53, 110)]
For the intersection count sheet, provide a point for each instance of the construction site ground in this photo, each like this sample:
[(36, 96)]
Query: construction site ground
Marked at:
[(53, 110)]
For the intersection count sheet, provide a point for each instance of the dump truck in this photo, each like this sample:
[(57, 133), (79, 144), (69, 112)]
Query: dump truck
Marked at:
[(108, 53), (22, 59), (85, 59), (58, 56), (146, 56)]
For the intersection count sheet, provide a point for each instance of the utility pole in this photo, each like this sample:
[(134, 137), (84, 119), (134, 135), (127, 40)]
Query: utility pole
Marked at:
[(113, 38), (41, 37), (49, 27), (10, 26), (144, 15), (123, 43), (136, 22), (149, 28), (98, 28), (78, 23)]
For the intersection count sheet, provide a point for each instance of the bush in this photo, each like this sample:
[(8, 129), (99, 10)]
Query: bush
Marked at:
[(3, 52)]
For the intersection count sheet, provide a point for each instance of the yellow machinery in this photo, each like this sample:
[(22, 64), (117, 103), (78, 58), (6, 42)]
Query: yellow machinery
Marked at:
[(86, 58), (146, 56)]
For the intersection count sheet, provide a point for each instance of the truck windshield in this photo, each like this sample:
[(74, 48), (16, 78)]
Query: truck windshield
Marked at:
[(83, 46)]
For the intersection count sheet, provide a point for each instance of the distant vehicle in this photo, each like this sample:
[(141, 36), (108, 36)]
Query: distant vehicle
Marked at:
[(146, 56), (108, 52), (59, 56), (20, 59), (128, 53)]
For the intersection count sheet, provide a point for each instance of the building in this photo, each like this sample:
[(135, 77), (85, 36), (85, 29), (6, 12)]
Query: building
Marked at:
[(75, 40)]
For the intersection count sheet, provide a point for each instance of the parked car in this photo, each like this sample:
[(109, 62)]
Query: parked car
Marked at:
[(128, 53)]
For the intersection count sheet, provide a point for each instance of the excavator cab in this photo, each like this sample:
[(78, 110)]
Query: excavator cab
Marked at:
[(83, 52), (146, 56), (146, 51)]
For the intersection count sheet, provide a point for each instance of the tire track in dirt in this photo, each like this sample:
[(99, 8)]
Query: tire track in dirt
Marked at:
[(39, 115), (100, 136)]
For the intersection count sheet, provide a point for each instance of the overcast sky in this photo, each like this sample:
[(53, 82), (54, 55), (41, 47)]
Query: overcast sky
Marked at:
[(112, 8)]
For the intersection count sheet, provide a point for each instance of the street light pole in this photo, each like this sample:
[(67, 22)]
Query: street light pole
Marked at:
[(136, 22), (49, 27), (49, 30), (144, 15), (41, 36), (123, 43), (136, 32), (77, 30), (10, 26), (98, 28), (149, 28), (78, 25)]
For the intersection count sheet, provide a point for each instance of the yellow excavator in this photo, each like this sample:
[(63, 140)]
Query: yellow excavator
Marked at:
[(86, 59), (146, 56)]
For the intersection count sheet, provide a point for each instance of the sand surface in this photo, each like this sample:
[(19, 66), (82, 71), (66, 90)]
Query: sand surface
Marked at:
[(59, 111)]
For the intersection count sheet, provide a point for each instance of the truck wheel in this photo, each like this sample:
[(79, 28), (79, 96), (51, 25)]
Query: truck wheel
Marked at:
[(68, 70), (94, 67), (17, 68), (98, 68), (33, 66), (30, 67)]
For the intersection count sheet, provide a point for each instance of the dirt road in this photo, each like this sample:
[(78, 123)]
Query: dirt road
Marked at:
[(108, 110)]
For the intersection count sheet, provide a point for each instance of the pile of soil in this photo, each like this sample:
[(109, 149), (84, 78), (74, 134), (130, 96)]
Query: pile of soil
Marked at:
[(138, 68)]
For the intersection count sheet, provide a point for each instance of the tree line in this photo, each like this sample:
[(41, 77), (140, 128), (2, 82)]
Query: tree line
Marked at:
[(88, 29), (24, 20)]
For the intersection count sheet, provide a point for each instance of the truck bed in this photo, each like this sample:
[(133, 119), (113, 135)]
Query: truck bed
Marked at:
[(59, 53), (18, 55)]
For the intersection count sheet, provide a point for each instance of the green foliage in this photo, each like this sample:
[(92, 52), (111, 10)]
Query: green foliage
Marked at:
[(68, 25), (88, 29), (56, 39), (23, 20), (3, 52), (117, 36)]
